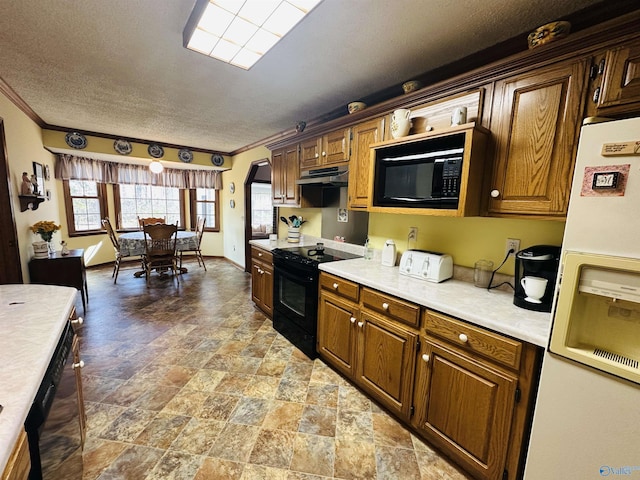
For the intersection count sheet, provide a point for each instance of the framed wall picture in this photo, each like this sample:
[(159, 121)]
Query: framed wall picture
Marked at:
[(38, 172)]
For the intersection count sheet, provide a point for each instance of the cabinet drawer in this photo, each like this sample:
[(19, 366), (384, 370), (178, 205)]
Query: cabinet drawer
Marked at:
[(339, 286), (391, 307), (262, 255), (502, 350)]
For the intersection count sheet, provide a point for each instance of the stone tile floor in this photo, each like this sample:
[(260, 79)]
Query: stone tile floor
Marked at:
[(192, 382)]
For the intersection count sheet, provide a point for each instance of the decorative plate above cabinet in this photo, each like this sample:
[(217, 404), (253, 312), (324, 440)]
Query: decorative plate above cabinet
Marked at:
[(76, 140), (123, 147), (185, 155)]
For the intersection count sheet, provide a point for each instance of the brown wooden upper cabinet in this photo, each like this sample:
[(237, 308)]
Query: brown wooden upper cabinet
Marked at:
[(620, 89), (327, 150), (536, 121), (285, 170), (364, 135)]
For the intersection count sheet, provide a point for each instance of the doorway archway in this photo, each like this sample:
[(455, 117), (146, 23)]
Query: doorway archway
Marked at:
[(259, 214)]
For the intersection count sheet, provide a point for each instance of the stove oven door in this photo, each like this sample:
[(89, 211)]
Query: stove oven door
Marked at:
[(295, 304)]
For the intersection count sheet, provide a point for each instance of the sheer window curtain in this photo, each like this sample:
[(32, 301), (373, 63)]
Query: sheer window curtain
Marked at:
[(71, 167)]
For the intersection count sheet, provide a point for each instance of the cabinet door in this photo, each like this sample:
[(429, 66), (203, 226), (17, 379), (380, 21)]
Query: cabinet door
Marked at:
[(291, 174), (310, 153), (262, 286), (337, 333), (464, 407), (386, 360), (360, 166), (277, 176), (537, 124), (621, 84), (335, 147)]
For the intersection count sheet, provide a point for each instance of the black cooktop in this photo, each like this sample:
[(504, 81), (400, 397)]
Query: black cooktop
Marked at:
[(311, 254)]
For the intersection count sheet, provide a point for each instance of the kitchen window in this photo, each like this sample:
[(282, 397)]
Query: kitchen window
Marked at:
[(205, 202), (86, 205), (137, 200)]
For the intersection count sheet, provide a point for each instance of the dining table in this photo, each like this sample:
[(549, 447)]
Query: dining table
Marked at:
[(132, 244)]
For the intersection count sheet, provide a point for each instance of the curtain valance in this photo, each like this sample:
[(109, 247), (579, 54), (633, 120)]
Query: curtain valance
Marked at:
[(71, 167)]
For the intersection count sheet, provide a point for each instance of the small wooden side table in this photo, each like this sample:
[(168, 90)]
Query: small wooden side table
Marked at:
[(66, 270)]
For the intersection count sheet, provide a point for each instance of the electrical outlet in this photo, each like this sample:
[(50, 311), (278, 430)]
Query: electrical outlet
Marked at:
[(413, 234), (512, 243)]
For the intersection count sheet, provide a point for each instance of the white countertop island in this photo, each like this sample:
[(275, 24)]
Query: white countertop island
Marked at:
[(32, 318)]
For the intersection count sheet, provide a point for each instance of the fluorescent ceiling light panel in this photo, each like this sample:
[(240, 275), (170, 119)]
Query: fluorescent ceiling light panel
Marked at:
[(239, 32)]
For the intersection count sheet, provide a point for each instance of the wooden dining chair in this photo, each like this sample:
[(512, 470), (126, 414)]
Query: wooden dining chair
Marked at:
[(198, 253), (151, 221), (160, 249), (106, 224)]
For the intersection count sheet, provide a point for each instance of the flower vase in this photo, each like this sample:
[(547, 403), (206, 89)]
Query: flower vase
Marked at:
[(51, 247), (293, 235), (40, 249)]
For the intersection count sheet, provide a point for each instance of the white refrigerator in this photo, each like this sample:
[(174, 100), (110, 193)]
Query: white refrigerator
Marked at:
[(586, 423)]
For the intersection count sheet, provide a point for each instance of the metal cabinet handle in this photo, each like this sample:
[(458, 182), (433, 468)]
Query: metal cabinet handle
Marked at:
[(463, 338), (385, 306), (360, 324), (353, 319), (495, 193), (78, 321), (259, 254), (335, 286), (324, 154), (80, 364), (317, 155), (425, 357)]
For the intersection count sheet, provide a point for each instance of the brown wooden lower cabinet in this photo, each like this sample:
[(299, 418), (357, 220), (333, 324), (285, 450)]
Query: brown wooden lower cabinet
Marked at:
[(386, 362), (262, 279), (466, 390), (19, 463), (464, 407)]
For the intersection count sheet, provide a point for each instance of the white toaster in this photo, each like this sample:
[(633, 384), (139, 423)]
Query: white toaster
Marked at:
[(430, 266)]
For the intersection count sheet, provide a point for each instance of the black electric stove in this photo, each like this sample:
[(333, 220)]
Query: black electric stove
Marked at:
[(312, 255), (295, 292)]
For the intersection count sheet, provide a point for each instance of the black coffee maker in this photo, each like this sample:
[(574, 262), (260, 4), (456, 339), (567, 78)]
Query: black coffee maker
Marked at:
[(534, 265)]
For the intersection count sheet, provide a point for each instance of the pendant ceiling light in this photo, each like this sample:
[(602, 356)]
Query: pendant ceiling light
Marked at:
[(155, 166)]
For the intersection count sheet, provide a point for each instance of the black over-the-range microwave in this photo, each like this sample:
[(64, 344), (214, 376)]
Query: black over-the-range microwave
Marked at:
[(425, 174)]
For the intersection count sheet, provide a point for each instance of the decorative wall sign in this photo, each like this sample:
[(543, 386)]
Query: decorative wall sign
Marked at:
[(620, 148), (38, 179)]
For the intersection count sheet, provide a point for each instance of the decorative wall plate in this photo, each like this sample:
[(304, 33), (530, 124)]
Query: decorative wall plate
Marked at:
[(232, 187), (155, 150), (75, 140), (123, 147), (185, 155), (217, 159)]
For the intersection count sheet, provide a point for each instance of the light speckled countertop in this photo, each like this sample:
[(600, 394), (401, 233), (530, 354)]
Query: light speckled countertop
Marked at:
[(490, 309), (32, 318)]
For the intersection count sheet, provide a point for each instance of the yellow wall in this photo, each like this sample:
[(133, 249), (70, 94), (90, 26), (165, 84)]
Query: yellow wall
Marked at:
[(55, 139), (24, 146), (233, 218), (465, 239)]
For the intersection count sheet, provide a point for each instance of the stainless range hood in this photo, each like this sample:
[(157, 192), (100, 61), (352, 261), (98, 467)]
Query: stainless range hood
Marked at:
[(329, 176)]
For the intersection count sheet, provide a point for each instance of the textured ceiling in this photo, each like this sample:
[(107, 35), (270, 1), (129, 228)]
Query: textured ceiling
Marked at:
[(118, 66)]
